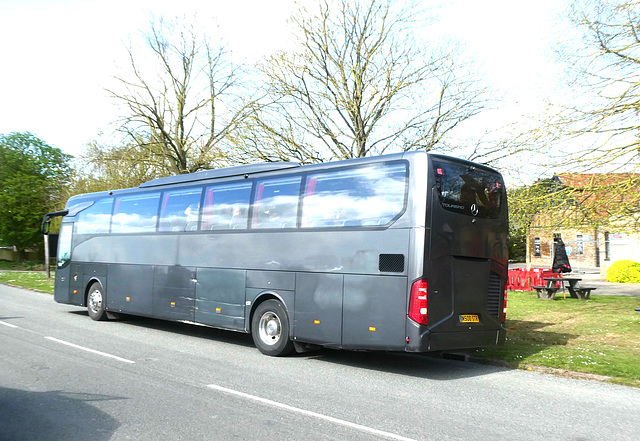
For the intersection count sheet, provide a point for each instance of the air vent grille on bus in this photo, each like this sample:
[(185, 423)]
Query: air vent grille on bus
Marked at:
[(493, 295), (391, 263)]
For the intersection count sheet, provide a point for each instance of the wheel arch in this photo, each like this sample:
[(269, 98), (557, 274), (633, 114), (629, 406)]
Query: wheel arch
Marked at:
[(270, 295), (88, 285)]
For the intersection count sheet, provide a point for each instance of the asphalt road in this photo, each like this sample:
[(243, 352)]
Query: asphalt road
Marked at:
[(65, 377)]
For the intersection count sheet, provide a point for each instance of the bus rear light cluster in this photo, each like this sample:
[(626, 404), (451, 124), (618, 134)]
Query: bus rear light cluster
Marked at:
[(418, 310), (504, 307)]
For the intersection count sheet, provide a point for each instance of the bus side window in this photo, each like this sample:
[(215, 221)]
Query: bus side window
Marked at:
[(354, 197), (96, 218), (275, 203), (136, 213), (226, 207), (180, 210)]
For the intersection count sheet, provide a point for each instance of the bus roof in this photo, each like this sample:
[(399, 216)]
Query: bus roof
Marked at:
[(239, 170)]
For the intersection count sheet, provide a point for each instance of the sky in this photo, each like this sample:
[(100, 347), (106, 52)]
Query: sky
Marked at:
[(58, 56)]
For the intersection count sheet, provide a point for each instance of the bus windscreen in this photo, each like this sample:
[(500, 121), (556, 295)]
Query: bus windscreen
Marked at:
[(469, 190)]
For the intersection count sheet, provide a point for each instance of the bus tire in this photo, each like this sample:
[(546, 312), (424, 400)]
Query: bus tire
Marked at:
[(270, 329), (96, 302)]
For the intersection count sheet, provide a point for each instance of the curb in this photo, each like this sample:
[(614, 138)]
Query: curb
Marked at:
[(528, 367)]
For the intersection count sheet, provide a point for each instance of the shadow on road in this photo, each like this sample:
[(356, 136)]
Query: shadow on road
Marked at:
[(2, 317), (53, 415), (430, 366), (189, 329)]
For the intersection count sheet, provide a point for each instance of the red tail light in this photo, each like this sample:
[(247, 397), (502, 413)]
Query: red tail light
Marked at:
[(418, 311), (504, 307)]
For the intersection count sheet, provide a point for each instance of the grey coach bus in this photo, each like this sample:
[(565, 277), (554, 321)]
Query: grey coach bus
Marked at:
[(403, 252)]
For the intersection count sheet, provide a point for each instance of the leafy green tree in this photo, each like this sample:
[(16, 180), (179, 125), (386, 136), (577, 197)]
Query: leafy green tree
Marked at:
[(544, 195), (103, 167), (32, 178)]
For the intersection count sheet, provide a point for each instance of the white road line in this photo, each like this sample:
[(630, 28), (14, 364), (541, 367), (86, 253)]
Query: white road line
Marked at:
[(93, 351), (310, 414), (7, 324)]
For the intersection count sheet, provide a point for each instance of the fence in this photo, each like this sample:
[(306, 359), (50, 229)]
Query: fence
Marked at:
[(522, 279)]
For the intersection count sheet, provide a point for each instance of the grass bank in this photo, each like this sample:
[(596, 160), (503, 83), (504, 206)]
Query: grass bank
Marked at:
[(600, 336)]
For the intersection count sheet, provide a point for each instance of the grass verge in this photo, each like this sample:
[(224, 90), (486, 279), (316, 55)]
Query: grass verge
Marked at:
[(28, 279), (600, 336)]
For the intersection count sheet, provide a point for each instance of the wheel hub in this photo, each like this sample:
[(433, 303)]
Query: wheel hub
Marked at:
[(95, 301), (270, 329)]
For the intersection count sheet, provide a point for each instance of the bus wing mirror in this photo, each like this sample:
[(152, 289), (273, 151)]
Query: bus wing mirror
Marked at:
[(46, 220)]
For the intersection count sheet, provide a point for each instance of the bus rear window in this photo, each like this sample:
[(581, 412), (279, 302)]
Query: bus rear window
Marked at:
[(469, 190)]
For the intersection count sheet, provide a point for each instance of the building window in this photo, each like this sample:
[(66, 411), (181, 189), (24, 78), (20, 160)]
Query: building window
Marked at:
[(537, 247), (607, 247), (579, 244)]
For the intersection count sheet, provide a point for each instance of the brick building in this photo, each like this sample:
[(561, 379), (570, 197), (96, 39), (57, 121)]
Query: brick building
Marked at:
[(598, 219)]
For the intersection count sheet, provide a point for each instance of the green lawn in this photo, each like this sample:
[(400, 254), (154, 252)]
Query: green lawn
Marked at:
[(28, 279), (598, 336)]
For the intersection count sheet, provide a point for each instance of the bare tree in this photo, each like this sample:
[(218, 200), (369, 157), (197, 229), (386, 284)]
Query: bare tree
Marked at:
[(359, 84), (180, 99), (605, 67)]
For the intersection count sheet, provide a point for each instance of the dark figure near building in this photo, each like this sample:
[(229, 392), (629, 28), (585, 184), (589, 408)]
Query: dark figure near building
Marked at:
[(560, 260)]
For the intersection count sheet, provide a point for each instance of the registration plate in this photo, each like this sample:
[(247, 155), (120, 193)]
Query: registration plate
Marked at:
[(469, 318)]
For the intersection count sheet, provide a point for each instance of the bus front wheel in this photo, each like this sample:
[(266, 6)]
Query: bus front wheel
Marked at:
[(96, 302), (270, 329)]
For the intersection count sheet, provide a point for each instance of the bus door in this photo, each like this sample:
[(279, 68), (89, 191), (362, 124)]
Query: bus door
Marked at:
[(466, 269), (65, 283)]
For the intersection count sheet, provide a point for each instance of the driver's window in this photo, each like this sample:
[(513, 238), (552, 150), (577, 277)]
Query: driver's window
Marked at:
[(64, 244)]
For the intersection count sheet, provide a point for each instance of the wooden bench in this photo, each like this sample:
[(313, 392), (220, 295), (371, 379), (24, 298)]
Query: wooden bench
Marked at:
[(584, 292), (546, 292)]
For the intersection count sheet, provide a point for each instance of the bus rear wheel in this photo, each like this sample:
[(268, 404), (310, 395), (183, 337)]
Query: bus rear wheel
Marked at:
[(270, 329), (96, 302)]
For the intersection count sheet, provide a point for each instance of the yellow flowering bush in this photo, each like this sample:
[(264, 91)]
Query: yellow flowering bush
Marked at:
[(624, 271)]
